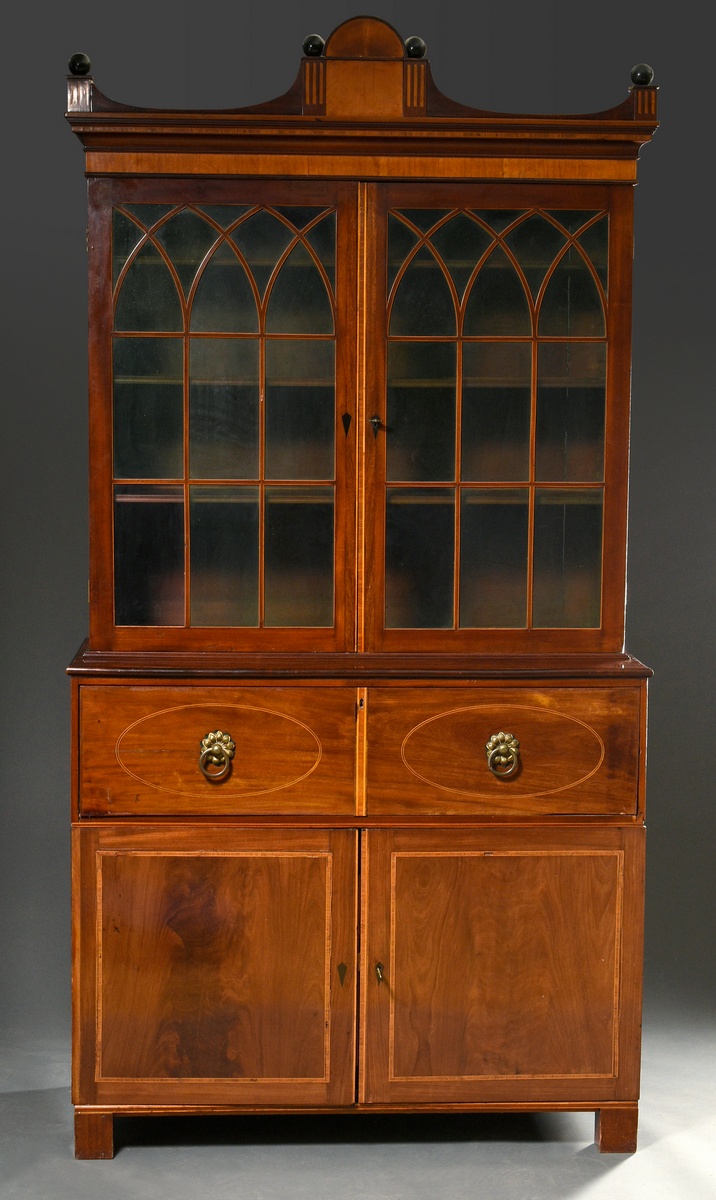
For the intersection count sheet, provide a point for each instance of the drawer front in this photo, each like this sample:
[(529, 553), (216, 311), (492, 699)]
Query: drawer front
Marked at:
[(577, 750), (154, 750)]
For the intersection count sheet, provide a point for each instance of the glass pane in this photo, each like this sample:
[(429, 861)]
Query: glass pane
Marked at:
[(224, 214), (425, 218), (323, 239), (262, 240), (224, 523), (149, 555), (498, 218), (148, 214), (148, 408), (298, 302), (423, 304), (299, 215), (535, 244), (125, 236), (300, 409), (493, 558), (186, 239), (596, 242), (496, 410), (298, 565), (224, 408), (148, 298), (400, 242), (461, 242), (571, 305), (419, 558), (567, 558), (570, 411), (421, 411), (224, 299), (572, 219), (497, 305)]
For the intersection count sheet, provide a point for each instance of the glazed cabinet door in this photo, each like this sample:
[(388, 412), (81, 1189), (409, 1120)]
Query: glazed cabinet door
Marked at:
[(501, 965), (215, 966), (223, 402), (497, 470)]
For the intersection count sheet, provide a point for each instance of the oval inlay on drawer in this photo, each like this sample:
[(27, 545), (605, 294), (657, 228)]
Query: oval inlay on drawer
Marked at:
[(557, 751), (273, 750)]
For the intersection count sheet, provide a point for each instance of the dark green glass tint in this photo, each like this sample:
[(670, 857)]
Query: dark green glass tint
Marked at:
[(571, 382), (511, 306), (494, 529), (148, 408), (238, 280), (496, 393), (224, 408), (567, 558), (149, 296), (187, 239), (497, 304), (224, 301), (148, 555), (423, 304), (298, 557), (224, 525), (419, 553), (421, 411), (300, 409)]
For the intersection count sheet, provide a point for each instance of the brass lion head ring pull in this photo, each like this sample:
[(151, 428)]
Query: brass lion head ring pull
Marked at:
[(217, 751), (503, 755)]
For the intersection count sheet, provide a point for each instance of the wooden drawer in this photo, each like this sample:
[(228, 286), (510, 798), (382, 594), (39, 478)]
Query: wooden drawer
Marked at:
[(578, 750), (140, 750)]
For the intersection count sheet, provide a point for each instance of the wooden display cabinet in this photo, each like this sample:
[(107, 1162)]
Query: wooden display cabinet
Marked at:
[(359, 755)]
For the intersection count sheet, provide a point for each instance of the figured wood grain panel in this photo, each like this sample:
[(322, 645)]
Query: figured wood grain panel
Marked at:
[(376, 166), (505, 963), (214, 966), (140, 749), (502, 957), (579, 750), (218, 965)]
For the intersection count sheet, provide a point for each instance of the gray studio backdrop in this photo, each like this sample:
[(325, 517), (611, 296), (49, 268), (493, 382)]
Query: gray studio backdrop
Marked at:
[(555, 56)]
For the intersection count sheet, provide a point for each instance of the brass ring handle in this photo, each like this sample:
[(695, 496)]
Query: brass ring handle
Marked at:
[(379, 968), (503, 755), (217, 750)]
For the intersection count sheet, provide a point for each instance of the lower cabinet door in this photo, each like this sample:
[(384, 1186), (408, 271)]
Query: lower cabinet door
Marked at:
[(215, 966), (501, 965)]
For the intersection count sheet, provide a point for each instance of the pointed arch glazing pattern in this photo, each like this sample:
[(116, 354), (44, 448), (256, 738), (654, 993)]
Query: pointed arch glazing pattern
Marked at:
[(224, 380), (496, 384)]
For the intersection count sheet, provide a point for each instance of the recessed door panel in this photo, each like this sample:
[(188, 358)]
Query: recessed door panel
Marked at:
[(218, 958), (494, 966)]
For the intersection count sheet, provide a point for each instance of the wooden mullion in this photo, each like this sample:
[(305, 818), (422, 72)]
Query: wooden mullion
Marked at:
[(185, 482), (531, 492)]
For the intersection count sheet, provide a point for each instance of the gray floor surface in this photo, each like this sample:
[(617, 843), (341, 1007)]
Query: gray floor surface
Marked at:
[(518, 1157)]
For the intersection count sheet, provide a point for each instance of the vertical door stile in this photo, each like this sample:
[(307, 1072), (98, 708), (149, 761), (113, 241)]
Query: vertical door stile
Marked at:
[(531, 489), (361, 749), (186, 467), (363, 880), (362, 370)]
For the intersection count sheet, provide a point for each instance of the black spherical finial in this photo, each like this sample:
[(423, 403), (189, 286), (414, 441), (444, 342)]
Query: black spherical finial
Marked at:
[(415, 47), (79, 64), (642, 74), (313, 45)]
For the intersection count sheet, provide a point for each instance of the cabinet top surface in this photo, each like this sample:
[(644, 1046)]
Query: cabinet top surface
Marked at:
[(364, 87), (358, 667)]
